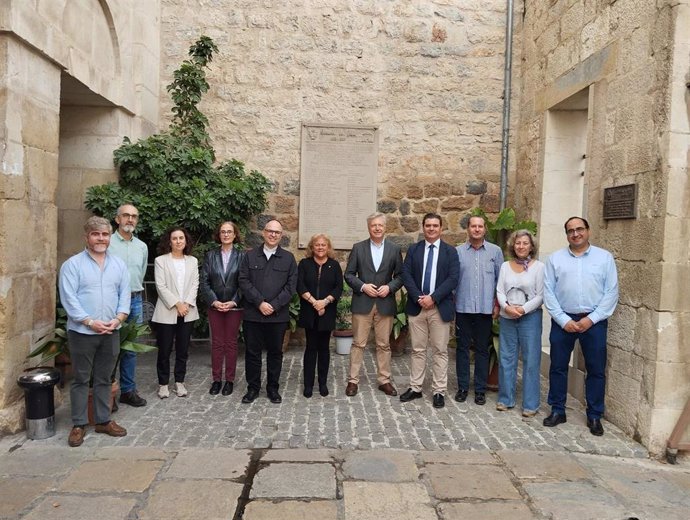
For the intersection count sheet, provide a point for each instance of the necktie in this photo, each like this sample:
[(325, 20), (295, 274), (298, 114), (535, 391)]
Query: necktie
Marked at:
[(426, 284)]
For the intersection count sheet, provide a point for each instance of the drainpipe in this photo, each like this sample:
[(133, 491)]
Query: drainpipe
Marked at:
[(507, 73)]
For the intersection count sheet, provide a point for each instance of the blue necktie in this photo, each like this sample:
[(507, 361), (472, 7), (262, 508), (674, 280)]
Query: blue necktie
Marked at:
[(426, 284)]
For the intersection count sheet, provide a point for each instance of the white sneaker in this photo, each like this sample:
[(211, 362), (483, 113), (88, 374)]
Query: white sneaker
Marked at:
[(163, 391), (180, 390)]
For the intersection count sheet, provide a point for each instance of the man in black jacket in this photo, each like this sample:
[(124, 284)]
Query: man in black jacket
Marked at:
[(268, 279)]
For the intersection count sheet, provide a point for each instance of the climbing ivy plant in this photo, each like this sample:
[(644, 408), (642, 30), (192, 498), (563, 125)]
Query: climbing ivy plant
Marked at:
[(172, 178)]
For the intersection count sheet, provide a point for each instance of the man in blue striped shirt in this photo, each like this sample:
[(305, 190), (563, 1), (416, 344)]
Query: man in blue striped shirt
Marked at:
[(475, 308), (580, 293)]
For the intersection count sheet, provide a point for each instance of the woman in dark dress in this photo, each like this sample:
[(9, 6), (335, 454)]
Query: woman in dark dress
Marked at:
[(319, 284)]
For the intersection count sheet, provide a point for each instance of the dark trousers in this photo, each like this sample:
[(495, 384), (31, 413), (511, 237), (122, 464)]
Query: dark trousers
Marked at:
[(260, 336), (593, 344), (166, 335), (472, 329), (92, 355), (317, 354)]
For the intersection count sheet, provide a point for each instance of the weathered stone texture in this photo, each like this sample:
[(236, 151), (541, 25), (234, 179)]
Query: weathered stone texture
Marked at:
[(623, 52), (430, 76)]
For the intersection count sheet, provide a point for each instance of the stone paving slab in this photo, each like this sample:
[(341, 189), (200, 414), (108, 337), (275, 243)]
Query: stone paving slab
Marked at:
[(462, 482), (298, 455), (293, 480), (291, 510), (130, 453), (457, 457), (221, 463), (79, 507), (511, 510), (16, 493), (191, 500), (41, 460), (368, 421), (381, 466), (377, 500), (119, 476), (544, 465), (575, 501)]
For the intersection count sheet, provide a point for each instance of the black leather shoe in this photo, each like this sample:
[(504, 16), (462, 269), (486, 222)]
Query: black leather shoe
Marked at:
[(480, 398), (227, 388), (595, 427), (323, 390), (250, 396), (275, 397), (409, 395), (308, 392), (554, 419), (461, 396), (439, 401), (215, 388), (132, 399)]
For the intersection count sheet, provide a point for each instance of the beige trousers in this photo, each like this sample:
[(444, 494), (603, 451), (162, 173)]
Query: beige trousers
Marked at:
[(429, 332), (361, 325)]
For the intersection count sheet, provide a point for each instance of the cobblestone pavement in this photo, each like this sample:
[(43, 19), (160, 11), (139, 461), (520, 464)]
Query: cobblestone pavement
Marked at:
[(367, 421)]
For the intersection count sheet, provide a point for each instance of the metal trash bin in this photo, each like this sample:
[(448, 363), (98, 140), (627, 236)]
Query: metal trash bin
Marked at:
[(38, 384)]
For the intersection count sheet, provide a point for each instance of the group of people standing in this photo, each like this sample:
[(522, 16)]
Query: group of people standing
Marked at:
[(471, 285)]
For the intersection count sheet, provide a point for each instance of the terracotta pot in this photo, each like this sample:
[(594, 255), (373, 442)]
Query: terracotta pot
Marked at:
[(114, 390), (492, 380), (398, 344)]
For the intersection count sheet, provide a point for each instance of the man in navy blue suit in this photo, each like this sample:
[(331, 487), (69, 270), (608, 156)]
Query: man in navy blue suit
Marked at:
[(430, 275)]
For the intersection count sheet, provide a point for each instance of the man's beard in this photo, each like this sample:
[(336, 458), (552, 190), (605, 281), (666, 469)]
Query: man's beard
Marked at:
[(128, 228)]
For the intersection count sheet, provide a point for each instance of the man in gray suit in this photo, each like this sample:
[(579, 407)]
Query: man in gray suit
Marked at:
[(374, 271)]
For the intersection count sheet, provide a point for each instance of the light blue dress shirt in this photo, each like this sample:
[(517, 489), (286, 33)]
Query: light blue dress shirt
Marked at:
[(585, 284), (479, 270), (86, 291), (135, 255)]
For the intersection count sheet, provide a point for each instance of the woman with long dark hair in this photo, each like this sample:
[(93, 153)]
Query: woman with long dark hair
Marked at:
[(177, 283)]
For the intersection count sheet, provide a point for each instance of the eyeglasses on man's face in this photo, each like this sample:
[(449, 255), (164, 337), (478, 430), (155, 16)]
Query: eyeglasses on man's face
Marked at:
[(572, 231), (129, 215), (273, 232), (227, 232)]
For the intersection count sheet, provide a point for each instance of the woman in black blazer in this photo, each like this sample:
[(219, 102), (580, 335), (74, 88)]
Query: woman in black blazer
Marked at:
[(319, 284), (219, 288)]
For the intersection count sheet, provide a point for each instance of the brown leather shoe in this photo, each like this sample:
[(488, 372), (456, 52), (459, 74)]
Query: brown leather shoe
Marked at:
[(388, 389), (76, 436), (111, 428), (351, 389)]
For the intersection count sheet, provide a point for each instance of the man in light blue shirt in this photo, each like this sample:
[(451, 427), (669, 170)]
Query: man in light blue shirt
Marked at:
[(94, 290), (475, 308), (135, 254), (580, 293)]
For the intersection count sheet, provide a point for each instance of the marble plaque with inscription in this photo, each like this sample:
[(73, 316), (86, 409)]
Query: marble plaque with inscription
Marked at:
[(338, 182)]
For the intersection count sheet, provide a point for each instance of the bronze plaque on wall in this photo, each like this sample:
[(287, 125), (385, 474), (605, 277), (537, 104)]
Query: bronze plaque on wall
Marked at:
[(620, 202), (338, 181)]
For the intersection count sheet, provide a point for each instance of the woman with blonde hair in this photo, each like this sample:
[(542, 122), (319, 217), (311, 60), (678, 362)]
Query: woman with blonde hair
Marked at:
[(520, 293), (319, 284)]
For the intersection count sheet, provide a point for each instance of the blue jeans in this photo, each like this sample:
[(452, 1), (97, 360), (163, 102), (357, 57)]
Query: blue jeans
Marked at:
[(128, 360), (520, 336), (593, 344)]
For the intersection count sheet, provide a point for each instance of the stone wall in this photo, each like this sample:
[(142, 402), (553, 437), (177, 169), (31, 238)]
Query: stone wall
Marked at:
[(429, 74), (632, 54), (64, 65)]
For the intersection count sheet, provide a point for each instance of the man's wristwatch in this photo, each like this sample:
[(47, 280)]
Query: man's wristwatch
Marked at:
[(89, 323)]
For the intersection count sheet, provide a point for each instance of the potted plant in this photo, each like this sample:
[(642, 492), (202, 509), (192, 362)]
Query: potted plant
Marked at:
[(497, 232), (400, 330), (56, 344), (343, 322), (293, 313)]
